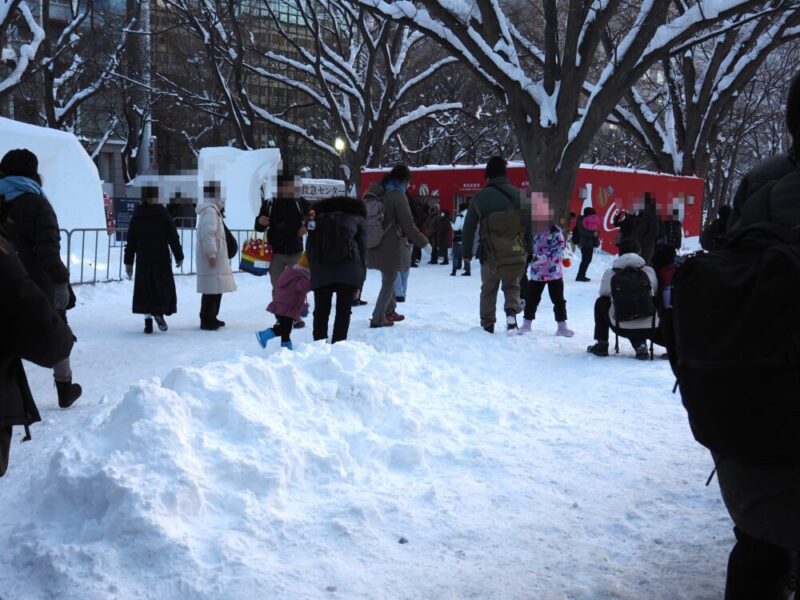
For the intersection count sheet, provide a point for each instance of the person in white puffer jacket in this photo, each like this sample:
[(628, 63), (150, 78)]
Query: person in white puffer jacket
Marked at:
[(638, 331), (214, 273)]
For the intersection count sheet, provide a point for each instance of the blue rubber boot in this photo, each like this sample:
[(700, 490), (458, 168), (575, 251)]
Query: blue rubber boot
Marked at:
[(264, 336), (287, 345)]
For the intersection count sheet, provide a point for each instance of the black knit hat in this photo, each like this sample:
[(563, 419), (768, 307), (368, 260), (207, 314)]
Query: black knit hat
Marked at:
[(20, 162), (496, 167), (793, 111)]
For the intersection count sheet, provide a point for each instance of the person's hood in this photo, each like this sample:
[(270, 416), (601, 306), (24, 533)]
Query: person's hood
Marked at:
[(375, 189), (304, 270), (341, 204), (13, 186), (629, 260), (216, 205)]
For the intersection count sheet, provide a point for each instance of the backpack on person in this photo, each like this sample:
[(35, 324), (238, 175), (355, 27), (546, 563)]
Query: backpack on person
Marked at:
[(735, 344), (632, 295), (503, 240), (376, 212), (331, 240)]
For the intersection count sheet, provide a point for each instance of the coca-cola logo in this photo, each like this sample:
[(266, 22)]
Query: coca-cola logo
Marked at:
[(608, 219)]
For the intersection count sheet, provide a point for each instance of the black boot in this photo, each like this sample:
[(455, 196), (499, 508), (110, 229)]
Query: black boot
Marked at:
[(148, 325), (162, 324), (68, 392)]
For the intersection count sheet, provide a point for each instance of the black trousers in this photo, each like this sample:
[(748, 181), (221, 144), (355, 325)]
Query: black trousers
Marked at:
[(586, 258), (533, 296), (323, 300), (283, 328), (416, 254), (602, 324), (756, 569), (209, 307)]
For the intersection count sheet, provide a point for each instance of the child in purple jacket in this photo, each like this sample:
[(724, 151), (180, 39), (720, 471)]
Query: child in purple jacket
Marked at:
[(546, 271), (288, 303)]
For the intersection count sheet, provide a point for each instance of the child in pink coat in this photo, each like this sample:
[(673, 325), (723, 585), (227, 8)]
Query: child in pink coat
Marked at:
[(288, 303)]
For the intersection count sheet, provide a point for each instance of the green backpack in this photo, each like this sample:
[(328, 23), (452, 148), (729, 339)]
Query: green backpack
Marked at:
[(503, 240)]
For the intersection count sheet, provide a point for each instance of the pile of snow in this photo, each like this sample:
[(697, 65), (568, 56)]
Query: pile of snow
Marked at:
[(70, 177), (428, 460)]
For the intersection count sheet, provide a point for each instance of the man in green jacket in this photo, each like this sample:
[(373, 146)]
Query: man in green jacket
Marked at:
[(499, 196)]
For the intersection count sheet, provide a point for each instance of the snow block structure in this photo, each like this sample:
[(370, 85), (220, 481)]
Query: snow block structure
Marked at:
[(70, 177), (243, 174)]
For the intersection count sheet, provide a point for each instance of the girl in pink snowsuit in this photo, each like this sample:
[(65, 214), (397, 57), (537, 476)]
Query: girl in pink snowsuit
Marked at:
[(288, 303)]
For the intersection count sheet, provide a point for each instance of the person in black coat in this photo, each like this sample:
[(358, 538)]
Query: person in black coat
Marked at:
[(709, 239), (647, 228), (284, 219), (151, 236), (341, 277), (32, 228), (444, 228), (30, 329)]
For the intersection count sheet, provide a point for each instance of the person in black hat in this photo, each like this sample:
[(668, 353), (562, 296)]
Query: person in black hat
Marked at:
[(32, 227)]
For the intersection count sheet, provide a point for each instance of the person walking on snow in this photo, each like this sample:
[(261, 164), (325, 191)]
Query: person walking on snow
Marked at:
[(284, 219), (546, 270), (587, 228), (288, 304), (458, 253), (390, 254), (341, 274), (502, 250), (32, 228), (151, 236), (214, 274)]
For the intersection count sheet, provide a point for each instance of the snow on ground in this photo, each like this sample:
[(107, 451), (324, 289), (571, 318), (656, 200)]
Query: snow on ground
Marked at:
[(199, 466)]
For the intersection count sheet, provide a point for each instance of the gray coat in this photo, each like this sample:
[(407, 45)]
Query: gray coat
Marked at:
[(390, 255), (351, 271)]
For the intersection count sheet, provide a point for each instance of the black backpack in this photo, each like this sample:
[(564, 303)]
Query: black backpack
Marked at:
[(736, 344), (331, 240), (632, 295)]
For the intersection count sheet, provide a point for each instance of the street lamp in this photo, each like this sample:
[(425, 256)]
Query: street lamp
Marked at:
[(339, 144)]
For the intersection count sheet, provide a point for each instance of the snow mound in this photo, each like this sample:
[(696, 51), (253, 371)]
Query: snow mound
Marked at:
[(232, 446)]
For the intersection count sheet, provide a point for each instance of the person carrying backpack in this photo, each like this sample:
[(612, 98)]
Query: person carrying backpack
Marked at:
[(586, 235), (737, 367), (627, 304), (389, 226), (503, 248), (337, 255)]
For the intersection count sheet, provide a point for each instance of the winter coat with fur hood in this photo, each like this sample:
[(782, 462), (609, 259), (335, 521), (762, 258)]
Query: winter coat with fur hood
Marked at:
[(350, 271)]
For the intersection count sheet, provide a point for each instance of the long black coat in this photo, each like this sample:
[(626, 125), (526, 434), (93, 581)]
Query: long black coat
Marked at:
[(353, 270), (31, 226), (30, 328), (151, 235)]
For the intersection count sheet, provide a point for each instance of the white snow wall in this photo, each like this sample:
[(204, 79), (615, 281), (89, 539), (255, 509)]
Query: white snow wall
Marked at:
[(242, 173), (70, 177)]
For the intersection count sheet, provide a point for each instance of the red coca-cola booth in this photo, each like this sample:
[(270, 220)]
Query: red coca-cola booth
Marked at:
[(607, 189)]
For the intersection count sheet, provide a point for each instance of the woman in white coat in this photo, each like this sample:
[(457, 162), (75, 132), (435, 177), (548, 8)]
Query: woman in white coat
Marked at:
[(214, 273)]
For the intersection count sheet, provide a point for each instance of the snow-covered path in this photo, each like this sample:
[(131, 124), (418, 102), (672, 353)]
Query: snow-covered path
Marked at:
[(513, 467)]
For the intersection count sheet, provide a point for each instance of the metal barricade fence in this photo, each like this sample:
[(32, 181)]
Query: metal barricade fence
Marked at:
[(98, 255)]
